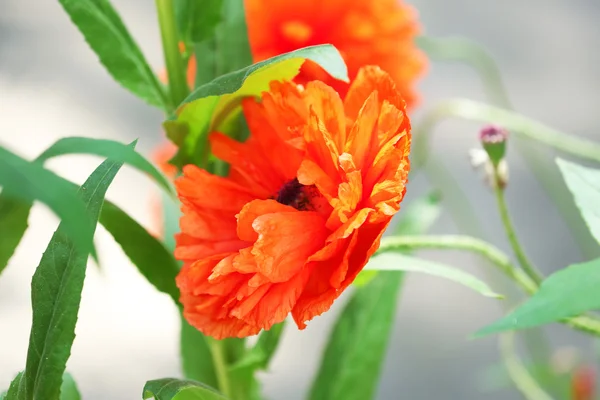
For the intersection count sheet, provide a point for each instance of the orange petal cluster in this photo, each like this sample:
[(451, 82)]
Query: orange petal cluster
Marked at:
[(366, 32), (306, 201)]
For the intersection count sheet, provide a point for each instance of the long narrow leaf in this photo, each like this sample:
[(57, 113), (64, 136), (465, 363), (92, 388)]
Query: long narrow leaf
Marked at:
[(152, 259), (400, 262), (13, 224), (106, 34), (27, 181), (56, 293), (107, 148), (355, 352)]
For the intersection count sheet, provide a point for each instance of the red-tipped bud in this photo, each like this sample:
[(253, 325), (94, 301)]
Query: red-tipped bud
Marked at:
[(493, 139)]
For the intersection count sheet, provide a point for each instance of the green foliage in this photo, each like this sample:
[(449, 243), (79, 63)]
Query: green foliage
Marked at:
[(107, 148), (145, 251), (566, 293), (13, 224), (400, 262), (33, 182), (106, 34), (27, 181), (196, 358), (15, 391), (68, 390), (417, 217), (207, 107), (584, 184), (196, 20), (259, 356), (353, 358), (176, 389), (56, 293)]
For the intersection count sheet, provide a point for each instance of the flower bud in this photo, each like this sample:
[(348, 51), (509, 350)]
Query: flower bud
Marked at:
[(493, 139)]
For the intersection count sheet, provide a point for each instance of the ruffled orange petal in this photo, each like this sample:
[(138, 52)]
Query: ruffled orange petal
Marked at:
[(301, 211)]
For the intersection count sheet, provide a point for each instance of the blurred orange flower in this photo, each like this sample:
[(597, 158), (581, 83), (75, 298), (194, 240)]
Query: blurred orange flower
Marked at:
[(380, 32), (304, 206)]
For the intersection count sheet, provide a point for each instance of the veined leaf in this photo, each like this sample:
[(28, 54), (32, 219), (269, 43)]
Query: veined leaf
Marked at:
[(584, 184), (146, 252), (106, 34), (14, 390), (259, 356), (196, 358), (400, 262), (13, 224), (355, 352), (29, 181), (176, 389), (352, 360), (107, 148), (69, 390), (207, 106), (232, 45), (566, 293), (56, 293), (196, 20)]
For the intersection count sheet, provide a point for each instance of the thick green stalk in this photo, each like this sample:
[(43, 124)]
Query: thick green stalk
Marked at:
[(217, 348), (178, 88)]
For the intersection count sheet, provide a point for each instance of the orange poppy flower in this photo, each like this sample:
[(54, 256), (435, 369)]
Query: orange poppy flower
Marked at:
[(380, 32), (304, 206)]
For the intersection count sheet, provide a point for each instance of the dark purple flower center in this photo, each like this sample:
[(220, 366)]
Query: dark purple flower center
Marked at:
[(290, 193)]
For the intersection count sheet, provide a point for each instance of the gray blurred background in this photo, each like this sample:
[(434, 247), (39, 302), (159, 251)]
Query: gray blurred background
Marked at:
[(51, 85)]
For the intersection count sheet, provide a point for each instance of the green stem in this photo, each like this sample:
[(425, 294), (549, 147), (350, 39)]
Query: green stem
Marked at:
[(178, 87), (585, 323), (217, 349), (460, 242), (473, 54), (509, 228), (516, 123), (524, 382)]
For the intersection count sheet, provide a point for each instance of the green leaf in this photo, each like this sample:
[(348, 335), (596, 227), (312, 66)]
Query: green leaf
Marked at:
[(196, 358), (259, 356), (353, 358), (584, 184), (106, 34), (14, 390), (232, 45), (566, 293), (176, 389), (196, 20), (400, 262), (13, 224), (418, 217), (171, 212), (146, 252), (56, 293), (107, 148), (206, 108), (354, 355), (29, 181), (68, 390)]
